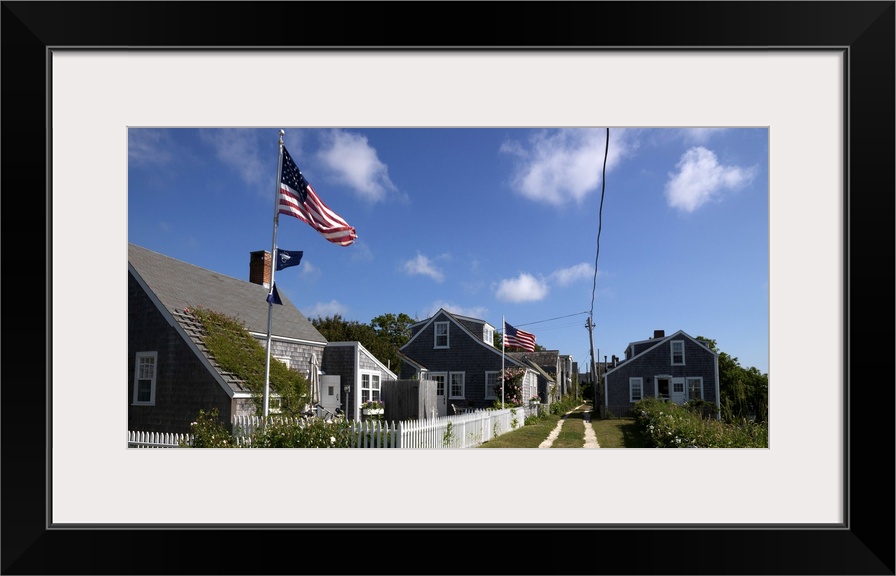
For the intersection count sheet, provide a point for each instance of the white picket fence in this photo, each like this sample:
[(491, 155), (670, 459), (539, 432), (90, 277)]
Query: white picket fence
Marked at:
[(156, 439), (467, 430)]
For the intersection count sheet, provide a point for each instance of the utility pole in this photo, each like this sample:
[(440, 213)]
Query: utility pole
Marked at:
[(598, 400)]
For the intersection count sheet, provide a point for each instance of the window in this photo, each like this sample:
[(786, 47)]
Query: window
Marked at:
[(491, 381), (441, 335), (635, 389), (439, 378), (678, 352), (370, 386), (274, 404), (457, 385), (284, 359), (678, 387), (695, 388), (145, 378), (488, 335)]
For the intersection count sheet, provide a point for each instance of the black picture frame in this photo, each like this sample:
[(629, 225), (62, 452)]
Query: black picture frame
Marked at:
[(863, 30)]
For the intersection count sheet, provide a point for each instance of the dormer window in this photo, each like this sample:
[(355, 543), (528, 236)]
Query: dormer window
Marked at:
[(677, 352), (488, 335), (441, 340)]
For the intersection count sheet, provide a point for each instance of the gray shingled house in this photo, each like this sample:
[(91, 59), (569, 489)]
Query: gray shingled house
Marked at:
[(546, 365), (358, 368), (676, 368), (459, 354), (171, 376)]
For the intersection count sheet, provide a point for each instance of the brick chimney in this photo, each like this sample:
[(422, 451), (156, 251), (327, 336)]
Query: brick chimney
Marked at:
[(260, 268), (659, 333)]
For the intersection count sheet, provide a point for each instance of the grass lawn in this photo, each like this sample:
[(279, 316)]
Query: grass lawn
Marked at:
[(529, 436), (617, 433)]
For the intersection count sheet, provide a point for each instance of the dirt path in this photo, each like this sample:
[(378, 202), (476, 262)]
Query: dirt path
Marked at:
[(590, 438)]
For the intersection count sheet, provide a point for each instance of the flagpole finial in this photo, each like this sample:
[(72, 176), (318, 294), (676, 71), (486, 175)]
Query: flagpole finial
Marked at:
[(282, 132)]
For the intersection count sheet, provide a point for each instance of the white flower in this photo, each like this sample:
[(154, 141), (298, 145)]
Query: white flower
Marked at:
[(332, 439)]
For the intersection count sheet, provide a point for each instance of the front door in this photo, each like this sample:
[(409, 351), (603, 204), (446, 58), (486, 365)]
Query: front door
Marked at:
[(441, 380), (678, 394)]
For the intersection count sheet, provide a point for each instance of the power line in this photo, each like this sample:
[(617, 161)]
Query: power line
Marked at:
[(603, 185), (549, 319)]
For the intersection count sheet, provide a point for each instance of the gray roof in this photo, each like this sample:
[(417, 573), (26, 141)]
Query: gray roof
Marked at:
[(529, 358), (180, 285)]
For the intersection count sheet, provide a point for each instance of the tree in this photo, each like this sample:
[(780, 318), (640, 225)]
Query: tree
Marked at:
[(392, 332), (383, 336), (743, 392)]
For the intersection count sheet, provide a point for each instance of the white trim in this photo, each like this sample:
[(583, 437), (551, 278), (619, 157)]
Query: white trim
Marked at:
[(672, 361), (687, 387), (358, 348), (435, 334), (463, 385), (152, 384), (635, 380), (496, 373), (449, 316)]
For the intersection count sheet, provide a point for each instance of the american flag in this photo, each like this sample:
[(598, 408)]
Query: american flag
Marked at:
[(297, 198), (518, 338)]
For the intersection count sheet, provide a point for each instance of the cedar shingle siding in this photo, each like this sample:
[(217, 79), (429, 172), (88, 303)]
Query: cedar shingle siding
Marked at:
[(183, 383), (466, 353), (187, 377), (652, 358)]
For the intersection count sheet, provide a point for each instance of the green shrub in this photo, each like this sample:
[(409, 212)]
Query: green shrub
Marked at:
[(209, 432), (311, 433), (668, 425)]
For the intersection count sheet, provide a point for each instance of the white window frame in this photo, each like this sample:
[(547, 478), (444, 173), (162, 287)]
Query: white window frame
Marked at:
[(462, 377), (437, 335), (672, 351), (491, 380), (488, 335), (687, 386), (139, 375), (635, 383), (371, 385), (284, 359), (274, 404)]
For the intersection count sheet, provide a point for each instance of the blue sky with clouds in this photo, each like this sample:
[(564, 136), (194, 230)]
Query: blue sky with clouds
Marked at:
[(485, 222)]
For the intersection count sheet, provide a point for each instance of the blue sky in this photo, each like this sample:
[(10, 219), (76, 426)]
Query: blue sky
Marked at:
[(485, 222)]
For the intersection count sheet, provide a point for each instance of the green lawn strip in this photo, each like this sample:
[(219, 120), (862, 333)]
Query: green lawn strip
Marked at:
[(529, 436), (572, 433), (617, 433)]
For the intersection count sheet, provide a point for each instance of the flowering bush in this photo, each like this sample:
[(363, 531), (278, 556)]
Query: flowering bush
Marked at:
[(373, 404), (512, 379), (535, 398), (668, 425)]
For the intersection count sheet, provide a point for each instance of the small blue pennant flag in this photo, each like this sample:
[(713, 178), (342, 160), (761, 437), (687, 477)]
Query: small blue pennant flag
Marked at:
[(287, 258), (274, 296)]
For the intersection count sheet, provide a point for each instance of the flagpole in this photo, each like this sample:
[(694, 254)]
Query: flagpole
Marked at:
[(267, 362), (503, 335)]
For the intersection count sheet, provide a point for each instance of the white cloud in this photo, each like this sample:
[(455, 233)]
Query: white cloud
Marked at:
[(557, 166), (423, 266), (239, 149), (701, 179), (325, 309), (523, 288), (353, 162), (361, 252), (566, 276), (479, 312), (148, 147), (700, 135)]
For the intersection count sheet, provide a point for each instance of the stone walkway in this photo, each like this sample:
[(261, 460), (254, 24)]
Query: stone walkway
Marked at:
[(590, 438)]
